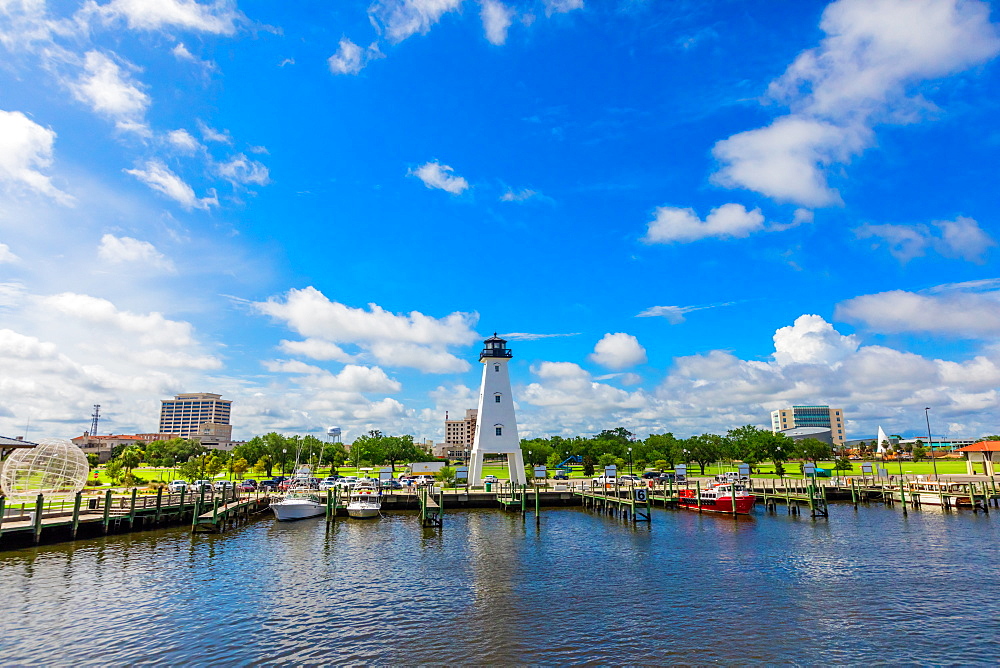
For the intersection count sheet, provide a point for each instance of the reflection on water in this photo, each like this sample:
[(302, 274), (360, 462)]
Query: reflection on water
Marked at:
[(490, 587)]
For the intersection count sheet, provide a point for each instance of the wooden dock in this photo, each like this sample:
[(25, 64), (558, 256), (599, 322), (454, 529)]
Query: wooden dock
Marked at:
[(627, 502), (55, 519)]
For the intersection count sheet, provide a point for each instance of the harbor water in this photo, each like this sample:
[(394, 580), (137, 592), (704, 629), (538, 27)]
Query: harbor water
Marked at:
[(865, 586)]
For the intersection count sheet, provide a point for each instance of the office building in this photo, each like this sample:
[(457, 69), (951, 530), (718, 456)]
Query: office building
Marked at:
[(810, 416), (197, 414), (458, 436)]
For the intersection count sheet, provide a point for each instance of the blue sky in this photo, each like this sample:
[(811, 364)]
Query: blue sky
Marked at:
[(682, 214)]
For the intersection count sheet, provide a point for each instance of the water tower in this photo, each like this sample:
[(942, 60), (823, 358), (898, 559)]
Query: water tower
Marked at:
[(333, 434)]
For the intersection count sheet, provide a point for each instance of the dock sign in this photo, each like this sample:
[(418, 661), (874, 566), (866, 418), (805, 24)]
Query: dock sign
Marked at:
[(744, 469), (540, 472), (611, 471), (866, 468), (461, 473), (639, 494), (808, 469)]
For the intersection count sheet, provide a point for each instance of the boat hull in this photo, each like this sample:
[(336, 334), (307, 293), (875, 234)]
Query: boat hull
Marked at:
[(288, 511), (744, 504), (363, 512)]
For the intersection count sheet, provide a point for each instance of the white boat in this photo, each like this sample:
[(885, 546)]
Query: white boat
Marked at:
[(936, 493), (298, 504), (365, 499)]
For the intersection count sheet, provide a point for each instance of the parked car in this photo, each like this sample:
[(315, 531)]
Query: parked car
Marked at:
[(491, 479), (177, 485), (391, 484), (665, 477), (424, 480), (651, 475), (327, 483), (269, 485), (629, 479), (560, 476), (199, 485), (248, 485), (605, 480), (222, 485), (347, 481)]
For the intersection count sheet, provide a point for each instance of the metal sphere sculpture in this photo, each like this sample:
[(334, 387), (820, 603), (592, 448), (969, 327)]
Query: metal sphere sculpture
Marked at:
[(54, 466)]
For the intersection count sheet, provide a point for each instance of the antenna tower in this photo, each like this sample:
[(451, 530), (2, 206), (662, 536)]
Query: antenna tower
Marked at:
[(96, 416)]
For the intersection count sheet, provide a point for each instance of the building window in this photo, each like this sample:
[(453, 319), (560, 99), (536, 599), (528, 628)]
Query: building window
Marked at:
[(496, 398), (499, 430)]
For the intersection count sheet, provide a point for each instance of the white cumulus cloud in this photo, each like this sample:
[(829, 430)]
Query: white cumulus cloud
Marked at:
[(400, 19), (618, 351), (183, 141), (812, 340), (125, 250), (496, 18), (25, 150), (219, 17), (7, 255), (673, 224), (110, 90), (412, 340), (858, 76), (960, 238), (441, 177), (158, 176), (349, 58), (240, 169), (561, 6), (956, 313)]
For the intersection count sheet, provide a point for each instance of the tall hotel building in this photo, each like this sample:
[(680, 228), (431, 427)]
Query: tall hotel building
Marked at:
[(810, 416), (197, 414)]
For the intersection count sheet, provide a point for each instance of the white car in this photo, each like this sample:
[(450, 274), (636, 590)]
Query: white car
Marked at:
[(629, 479), (604, 480), (347, 481), (491, 479), (177, 485)]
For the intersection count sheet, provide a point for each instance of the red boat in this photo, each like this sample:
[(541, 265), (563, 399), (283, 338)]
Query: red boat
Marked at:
[(718, 498)]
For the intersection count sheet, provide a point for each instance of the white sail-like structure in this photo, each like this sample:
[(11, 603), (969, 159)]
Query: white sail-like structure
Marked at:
[(882, 439)]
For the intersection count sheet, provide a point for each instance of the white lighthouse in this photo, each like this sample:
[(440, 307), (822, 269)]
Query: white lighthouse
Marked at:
[(496, 427)]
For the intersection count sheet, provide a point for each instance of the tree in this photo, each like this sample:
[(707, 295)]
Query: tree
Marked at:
[(129, 458), (93, 461), (813, 449), (588, 465), (113, 469), (663, 446), (704, 449), (660, 465), (264, 466), (239, 467), (843, 464), (919, 452), (446, 476)]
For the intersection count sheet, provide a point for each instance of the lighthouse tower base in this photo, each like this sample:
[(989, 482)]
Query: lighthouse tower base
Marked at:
[(515, 466)]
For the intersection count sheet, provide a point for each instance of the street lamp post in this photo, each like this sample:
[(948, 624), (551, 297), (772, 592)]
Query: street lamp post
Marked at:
[(630, 461), (284, 457), (930, 441)]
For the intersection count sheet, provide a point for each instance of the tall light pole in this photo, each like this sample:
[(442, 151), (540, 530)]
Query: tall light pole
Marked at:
[(630, 461), (930, 441), (284, 456)]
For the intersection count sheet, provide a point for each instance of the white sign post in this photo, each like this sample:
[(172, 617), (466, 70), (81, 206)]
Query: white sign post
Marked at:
[(680, 473), (611, 471), (541, 472)]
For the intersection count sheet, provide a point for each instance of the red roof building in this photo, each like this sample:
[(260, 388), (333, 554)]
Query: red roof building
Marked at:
[(982, 457)]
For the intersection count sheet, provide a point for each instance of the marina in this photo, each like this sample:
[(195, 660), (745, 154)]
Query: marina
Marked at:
[(832, 591)]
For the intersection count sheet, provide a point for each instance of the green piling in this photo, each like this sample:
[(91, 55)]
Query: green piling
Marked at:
[(697, 486), (329, 504), (3, 511), (77, 500), (39, 507), (159, 504), (131, 509), (107, 509), (537, 504)]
